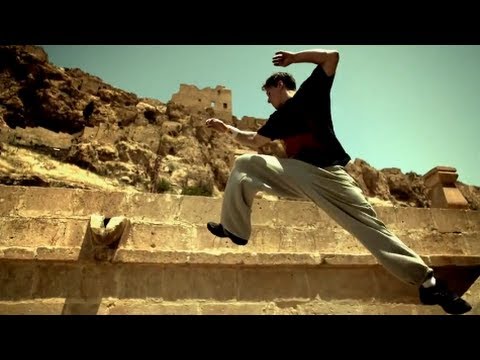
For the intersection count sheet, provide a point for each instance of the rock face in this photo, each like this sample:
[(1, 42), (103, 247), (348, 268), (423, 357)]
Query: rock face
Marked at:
[(471, 194), (390, 184), (52, 116), (78, 119)]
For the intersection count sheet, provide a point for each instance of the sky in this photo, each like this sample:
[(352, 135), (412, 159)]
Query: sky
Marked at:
[(412, 107)]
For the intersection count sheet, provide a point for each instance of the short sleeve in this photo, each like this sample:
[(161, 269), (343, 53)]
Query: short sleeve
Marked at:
[(268, 129)]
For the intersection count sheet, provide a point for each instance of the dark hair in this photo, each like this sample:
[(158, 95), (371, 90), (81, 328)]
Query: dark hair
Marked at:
[(287, 79)]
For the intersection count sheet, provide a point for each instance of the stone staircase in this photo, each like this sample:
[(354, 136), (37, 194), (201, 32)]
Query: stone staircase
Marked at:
[(167, 262)]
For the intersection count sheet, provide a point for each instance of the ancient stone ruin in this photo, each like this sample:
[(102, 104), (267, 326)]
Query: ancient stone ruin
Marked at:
[(219, 100)]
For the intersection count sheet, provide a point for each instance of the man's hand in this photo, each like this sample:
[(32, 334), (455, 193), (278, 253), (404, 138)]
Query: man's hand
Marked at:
[(283, 58), (216, 124)]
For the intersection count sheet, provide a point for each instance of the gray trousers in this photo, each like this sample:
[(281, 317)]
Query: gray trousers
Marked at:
[(334, 191)]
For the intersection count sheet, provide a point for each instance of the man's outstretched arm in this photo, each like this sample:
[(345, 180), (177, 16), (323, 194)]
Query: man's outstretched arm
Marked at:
[(328, 59), (247, 138)]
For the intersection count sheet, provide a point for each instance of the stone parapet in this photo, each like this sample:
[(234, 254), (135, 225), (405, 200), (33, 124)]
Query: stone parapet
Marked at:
[(442, 189)]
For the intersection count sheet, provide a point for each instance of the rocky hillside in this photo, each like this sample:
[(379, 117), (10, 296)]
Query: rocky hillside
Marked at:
[(408, 189), (64, 127), (75, 118)]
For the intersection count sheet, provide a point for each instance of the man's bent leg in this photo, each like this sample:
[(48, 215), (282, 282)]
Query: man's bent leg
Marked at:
[(251, 174)]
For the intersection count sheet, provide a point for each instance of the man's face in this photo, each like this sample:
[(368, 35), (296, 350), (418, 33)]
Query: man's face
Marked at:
[(275, 94)]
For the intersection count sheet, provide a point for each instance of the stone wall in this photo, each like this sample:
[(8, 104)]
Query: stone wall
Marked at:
[(298, 260)]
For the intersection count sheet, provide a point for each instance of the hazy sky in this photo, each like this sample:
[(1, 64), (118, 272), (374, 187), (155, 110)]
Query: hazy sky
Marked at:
[(410, 107)]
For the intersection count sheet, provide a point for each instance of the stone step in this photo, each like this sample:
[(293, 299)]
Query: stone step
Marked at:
[(39, 202), (115, 306), (16, 231), (42, 286), (90, 254)]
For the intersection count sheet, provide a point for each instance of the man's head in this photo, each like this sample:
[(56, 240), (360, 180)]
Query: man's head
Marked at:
[(279, 88)]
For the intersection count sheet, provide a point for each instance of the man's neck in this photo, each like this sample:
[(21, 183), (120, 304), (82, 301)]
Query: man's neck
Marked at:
[(287, 95)]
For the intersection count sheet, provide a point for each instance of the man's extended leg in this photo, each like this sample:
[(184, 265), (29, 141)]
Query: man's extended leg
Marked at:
[(337, 193)]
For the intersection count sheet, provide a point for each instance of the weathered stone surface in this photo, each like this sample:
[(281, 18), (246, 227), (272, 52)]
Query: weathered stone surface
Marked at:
[(18, 253), (58, 253), (129, 307), (188, 289), (17, 280), (443, 192), (237, 309), (116, 228), (22, 232), (141, 307), (10, 199), (272, 284)]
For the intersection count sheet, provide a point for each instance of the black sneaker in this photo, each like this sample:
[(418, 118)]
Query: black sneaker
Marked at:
[(441, 295), (219, 231)]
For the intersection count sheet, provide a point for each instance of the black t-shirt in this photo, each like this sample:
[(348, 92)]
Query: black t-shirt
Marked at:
[(304, 123)]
